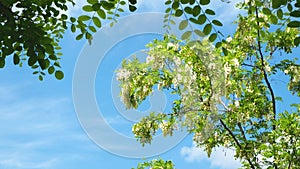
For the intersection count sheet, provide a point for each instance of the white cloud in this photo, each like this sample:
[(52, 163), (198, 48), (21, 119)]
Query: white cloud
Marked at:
[(35, 130), (220, 157)]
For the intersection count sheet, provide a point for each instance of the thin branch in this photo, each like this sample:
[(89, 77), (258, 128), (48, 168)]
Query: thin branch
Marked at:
[(265, 73), (237, 142)]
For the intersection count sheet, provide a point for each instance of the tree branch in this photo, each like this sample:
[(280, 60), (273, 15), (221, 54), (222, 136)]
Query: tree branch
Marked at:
[(265, 73), (237, 142)]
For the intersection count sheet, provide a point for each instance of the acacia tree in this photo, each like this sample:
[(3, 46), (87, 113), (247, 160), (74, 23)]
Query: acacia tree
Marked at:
[(225, 93)]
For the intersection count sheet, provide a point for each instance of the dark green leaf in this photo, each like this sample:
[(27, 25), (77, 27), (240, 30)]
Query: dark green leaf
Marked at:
[(51, 70), (73, 28), (295, 13), (32, 60), (175, 5), (16, 59), (218, 44), (207, 29), (210, 12), (178, 13), (217, 23), (40, 77), (297, 41), (59, 75), (279, 13), (72, 19), (2, 62), (212, 37), (196, 10), (92, 1), (266, 11), (133, 2), (204, 2), (188, 10), (294, 24), (202, 19), (132, 8), (276, 4), (290, 7), (96, 6), (225, 51)]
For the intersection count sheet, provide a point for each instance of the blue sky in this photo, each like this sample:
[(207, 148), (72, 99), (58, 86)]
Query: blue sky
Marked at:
[(40, 128)]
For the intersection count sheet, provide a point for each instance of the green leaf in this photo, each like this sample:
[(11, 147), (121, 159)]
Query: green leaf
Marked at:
[(196, 10), (51, 70), (97, 21), (183, 24), (199, 33), (295, 13), (40, 77), (297, 41), (78, 37), (202, 19), (294, 24), (175, 5), (92, 1), (213, 37), (225, 51), (273, 19), (204, 2), (178, 13), (87, 8), (96, 6), (218, 44), (73, 28), (101, 13), (217, 23), (280, 13), (186, 35), (2, 62), (266, 11), (32, 60), (84, 18), (133, 2), (132, 8), (72, 19), (276, 4), (16, 59), (59, 75), (207, 29), (210, 12), (93, 29)]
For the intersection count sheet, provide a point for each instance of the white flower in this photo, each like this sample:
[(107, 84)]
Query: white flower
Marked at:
[(159, 46), (286, 71), (123, 74), (227, 69), (229, 39), (149, 59), (268, 68), (177, 61), (235, 62), (125, 98), (170, 45)]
